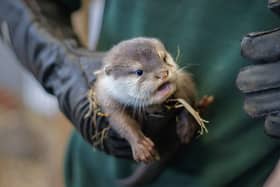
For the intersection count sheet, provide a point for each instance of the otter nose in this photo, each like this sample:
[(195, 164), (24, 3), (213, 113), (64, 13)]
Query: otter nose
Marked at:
[(162, 74)]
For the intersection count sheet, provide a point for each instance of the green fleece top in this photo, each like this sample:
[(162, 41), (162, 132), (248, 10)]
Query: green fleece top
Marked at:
[(235, 152)]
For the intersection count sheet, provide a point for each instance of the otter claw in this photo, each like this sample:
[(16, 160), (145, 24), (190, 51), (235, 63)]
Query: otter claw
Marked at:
[(143, 150)]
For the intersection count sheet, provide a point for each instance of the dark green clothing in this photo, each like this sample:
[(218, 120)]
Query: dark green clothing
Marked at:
[(235, 152)]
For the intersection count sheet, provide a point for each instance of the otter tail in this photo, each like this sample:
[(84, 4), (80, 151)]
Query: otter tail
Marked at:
[(144, 174)]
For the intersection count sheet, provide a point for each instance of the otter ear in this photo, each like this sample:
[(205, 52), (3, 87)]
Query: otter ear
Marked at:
[(108, 69)]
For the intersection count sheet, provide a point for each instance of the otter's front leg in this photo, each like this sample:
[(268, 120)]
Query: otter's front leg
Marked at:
[(143, 148), (186, 125)]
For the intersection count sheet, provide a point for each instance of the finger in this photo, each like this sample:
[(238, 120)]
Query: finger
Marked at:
[(272, 125), (144, 154), (147, 154), (147, 145), (262, 103), (151, 143), (274, 5), (259, 77), (262, 46)]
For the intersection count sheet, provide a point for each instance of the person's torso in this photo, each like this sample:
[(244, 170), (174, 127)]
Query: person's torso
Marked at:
[(235, 152)]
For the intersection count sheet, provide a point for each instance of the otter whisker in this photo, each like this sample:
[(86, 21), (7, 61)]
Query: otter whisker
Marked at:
[(123, 108), (181, 69), (178, 55)]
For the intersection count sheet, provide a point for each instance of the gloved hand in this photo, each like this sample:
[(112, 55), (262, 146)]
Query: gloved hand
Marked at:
[(39, 33), (260, 82)]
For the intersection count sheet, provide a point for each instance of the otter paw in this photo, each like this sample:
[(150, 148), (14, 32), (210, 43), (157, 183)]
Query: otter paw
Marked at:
[(144, 151), (186, 127)]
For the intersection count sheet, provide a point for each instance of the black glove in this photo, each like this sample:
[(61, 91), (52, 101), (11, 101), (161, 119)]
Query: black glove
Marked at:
[(261, 81), (39, 33)]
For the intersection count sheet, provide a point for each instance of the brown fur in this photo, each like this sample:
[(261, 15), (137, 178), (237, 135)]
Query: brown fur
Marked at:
[(159, 68)]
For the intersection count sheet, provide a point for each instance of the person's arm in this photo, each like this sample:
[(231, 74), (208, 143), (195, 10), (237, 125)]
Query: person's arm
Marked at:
[(40, 34)]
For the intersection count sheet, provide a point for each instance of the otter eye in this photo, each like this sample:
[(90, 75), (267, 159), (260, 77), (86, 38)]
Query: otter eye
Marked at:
[(139, 72)]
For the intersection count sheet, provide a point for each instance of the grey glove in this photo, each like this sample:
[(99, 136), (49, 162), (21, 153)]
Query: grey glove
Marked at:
[(260, 82)]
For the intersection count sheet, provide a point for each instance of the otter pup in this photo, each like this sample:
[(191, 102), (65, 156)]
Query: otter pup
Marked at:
[(140, 75)]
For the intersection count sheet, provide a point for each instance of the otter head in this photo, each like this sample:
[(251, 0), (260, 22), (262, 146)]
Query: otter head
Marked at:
[(139, 72)]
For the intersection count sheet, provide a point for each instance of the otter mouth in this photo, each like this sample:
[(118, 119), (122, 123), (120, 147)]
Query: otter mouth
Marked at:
[(165, 86), (164, 90)]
